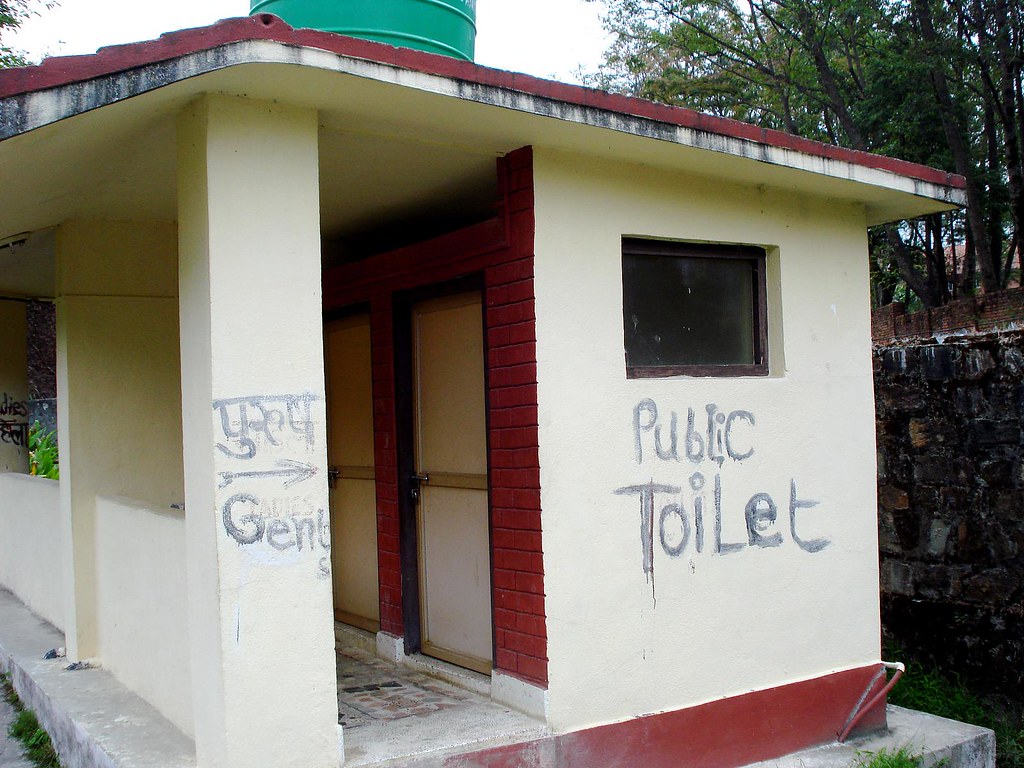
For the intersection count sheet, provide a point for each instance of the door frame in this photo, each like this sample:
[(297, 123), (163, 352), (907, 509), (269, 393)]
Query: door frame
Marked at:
[(405, 415), (502, 248)]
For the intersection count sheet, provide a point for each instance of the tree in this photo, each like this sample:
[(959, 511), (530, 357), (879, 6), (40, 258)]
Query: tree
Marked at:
[(933, 81)]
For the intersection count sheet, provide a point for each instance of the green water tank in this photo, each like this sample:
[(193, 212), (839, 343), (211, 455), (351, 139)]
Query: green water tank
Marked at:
[(447, 27)]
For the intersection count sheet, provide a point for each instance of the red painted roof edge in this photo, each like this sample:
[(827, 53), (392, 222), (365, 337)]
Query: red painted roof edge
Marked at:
[(64, 70)]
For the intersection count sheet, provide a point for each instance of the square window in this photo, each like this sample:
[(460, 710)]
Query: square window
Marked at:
[(693, 309)]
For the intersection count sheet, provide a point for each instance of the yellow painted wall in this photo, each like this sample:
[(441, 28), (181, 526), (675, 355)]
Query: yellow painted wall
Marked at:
[(706, 625), (118, 381), (30, 546), (142, 603), (13, 388), (118, 317), (129, 416)]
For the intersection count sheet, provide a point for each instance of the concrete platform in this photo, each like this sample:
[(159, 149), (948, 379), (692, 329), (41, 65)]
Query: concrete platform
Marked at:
[(397, 716)]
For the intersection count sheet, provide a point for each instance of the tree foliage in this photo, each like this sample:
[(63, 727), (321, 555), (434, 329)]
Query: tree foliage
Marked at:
[(13, 14), (933, 81)]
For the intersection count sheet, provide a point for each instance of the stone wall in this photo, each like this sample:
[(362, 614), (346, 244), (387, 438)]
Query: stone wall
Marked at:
[(950, 403), (42, 350)]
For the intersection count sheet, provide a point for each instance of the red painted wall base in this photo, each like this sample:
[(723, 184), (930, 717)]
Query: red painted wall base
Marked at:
[(721, 734)]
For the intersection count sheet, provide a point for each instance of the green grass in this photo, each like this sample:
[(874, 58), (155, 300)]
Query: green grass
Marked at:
[(37, 745), (901, 758), (928, 689)]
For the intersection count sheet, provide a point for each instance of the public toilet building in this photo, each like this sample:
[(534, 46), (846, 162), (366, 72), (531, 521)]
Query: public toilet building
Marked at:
[(568, 390)]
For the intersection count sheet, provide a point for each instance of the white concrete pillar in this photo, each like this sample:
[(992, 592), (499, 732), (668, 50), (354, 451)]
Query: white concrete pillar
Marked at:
[(118, 390), (13, 388), (254, 421)]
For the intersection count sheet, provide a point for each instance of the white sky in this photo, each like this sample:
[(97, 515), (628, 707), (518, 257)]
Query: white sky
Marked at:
[(547, 38)]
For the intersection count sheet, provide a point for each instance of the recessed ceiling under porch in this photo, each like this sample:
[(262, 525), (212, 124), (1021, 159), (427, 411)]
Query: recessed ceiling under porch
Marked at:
[(378, 192), (383, 183)]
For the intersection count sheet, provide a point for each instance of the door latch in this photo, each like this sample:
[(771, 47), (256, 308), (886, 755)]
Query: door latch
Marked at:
[(333, 474), (415, 481)]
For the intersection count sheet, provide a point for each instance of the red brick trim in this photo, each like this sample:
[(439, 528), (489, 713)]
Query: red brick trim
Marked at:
[(385, 426), (64, 70), (502, 250), (720, 734), (973, 314)]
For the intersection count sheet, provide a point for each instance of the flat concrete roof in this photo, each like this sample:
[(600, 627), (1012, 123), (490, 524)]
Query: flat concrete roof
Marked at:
[(479, 83), (405, 136)]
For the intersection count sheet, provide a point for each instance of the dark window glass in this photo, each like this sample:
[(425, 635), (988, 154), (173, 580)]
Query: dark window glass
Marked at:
[(693, 309)]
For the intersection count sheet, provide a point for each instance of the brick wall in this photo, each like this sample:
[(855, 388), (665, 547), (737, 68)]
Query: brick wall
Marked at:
[(949, 387), (501, 251), (518, 575), (389, 567), (987, 312)]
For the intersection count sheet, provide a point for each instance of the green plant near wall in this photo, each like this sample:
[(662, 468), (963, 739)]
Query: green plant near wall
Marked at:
[(38, 747), (42, 453)]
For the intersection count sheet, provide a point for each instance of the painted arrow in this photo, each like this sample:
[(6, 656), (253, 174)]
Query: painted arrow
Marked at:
[(295, 471)]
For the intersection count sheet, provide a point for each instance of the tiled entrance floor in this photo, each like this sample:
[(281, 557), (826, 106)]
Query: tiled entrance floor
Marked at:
[(393, 715), (370, 689)]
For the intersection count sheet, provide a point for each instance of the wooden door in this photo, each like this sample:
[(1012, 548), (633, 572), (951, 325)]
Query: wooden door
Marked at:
[(453, 530), (353, 491)]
